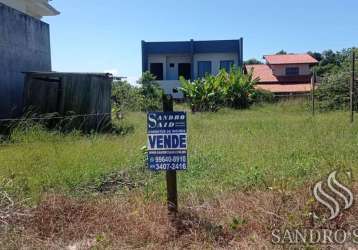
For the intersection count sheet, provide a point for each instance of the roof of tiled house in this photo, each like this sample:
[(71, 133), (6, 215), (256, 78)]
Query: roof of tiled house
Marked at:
[(290, 59)]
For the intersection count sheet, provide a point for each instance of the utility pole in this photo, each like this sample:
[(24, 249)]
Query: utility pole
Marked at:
[(351, 106), (313, 85), (171, 175)]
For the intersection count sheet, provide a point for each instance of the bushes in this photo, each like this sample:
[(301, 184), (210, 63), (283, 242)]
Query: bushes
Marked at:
[(204, 94), (150, 92), (146, 97), (333, 92), (126, 96), (263, 96), (234, 89), (239, 89)]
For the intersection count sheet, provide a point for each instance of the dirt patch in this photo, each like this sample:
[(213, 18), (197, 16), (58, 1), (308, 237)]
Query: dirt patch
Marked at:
[(112, 182), (237, 220)]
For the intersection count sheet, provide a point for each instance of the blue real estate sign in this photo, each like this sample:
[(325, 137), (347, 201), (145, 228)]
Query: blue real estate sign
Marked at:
[(167, 140)]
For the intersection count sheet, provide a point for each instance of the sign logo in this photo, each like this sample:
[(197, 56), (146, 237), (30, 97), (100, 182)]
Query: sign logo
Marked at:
[(337, 190), (167, 140)]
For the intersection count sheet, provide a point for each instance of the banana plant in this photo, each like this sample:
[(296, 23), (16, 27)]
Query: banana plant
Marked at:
[(233, 89)]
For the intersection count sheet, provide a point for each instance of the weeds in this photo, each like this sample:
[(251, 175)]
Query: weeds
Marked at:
[(249, 172)]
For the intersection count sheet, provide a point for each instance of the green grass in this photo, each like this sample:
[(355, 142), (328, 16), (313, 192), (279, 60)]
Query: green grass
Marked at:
[(264, 147)]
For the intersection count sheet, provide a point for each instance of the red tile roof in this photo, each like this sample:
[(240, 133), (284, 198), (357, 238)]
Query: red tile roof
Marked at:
[(290, 59), (263, 72), (286, 88), (268, 81)]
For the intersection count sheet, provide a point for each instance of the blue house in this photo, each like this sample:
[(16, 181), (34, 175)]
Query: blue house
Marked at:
[(190, 59)]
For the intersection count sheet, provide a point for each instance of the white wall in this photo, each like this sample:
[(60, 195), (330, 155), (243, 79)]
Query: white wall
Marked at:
[(215, 59), (173, 72), (168, 87), (280, 70), (166, 60)]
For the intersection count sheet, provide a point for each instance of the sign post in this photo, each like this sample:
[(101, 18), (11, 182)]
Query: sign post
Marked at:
[(167, 146), (171, 175)]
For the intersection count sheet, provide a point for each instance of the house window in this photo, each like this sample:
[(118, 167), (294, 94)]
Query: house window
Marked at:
[(292, 71), (156, 69), (227, 65), (204, 68), (172, 65)]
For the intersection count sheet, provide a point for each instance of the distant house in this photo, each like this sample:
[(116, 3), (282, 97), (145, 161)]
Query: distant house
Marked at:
[(24, 46), (284, 75), (190, 59)]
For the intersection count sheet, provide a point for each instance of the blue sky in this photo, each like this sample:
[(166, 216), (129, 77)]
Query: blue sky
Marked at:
[(98, 35)]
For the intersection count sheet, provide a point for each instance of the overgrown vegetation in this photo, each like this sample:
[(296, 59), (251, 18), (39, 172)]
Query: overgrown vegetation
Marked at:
[(260, 147), (249, 171), (227, 89), (145, 97), (334, 70)]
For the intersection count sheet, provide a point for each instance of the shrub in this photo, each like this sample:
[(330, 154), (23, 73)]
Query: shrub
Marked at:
[(333, 92), (233, 89), (204, 94), (151, 92), (263, 96), (146, 97), (239, 89), (126, 96)]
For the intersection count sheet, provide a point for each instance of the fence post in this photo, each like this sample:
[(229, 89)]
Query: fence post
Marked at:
[(171, 175), (313, 86), (351, 89)]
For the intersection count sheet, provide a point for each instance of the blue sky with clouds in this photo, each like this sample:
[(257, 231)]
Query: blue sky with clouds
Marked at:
[(98, 36)]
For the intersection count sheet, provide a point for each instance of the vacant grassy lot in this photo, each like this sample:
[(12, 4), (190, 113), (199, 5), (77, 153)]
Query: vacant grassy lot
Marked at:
[(265, 149)]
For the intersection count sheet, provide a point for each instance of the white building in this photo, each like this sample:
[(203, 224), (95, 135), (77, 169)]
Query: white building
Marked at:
[(168, 61), (34, 8)]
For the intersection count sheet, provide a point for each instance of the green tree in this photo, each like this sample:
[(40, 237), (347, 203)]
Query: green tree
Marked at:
[(151, 92), (315, 55), (126, 97), (281, 52), (335, 72), (252, 61)]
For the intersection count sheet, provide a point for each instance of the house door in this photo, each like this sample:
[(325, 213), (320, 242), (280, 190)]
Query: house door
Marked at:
[(157, 70), (184, 70), (172, 73)]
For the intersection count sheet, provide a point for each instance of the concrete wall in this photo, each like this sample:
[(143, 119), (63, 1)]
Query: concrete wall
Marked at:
[(34, 8), (280, 70), (169, 85), (24, 46), (172, 73)]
